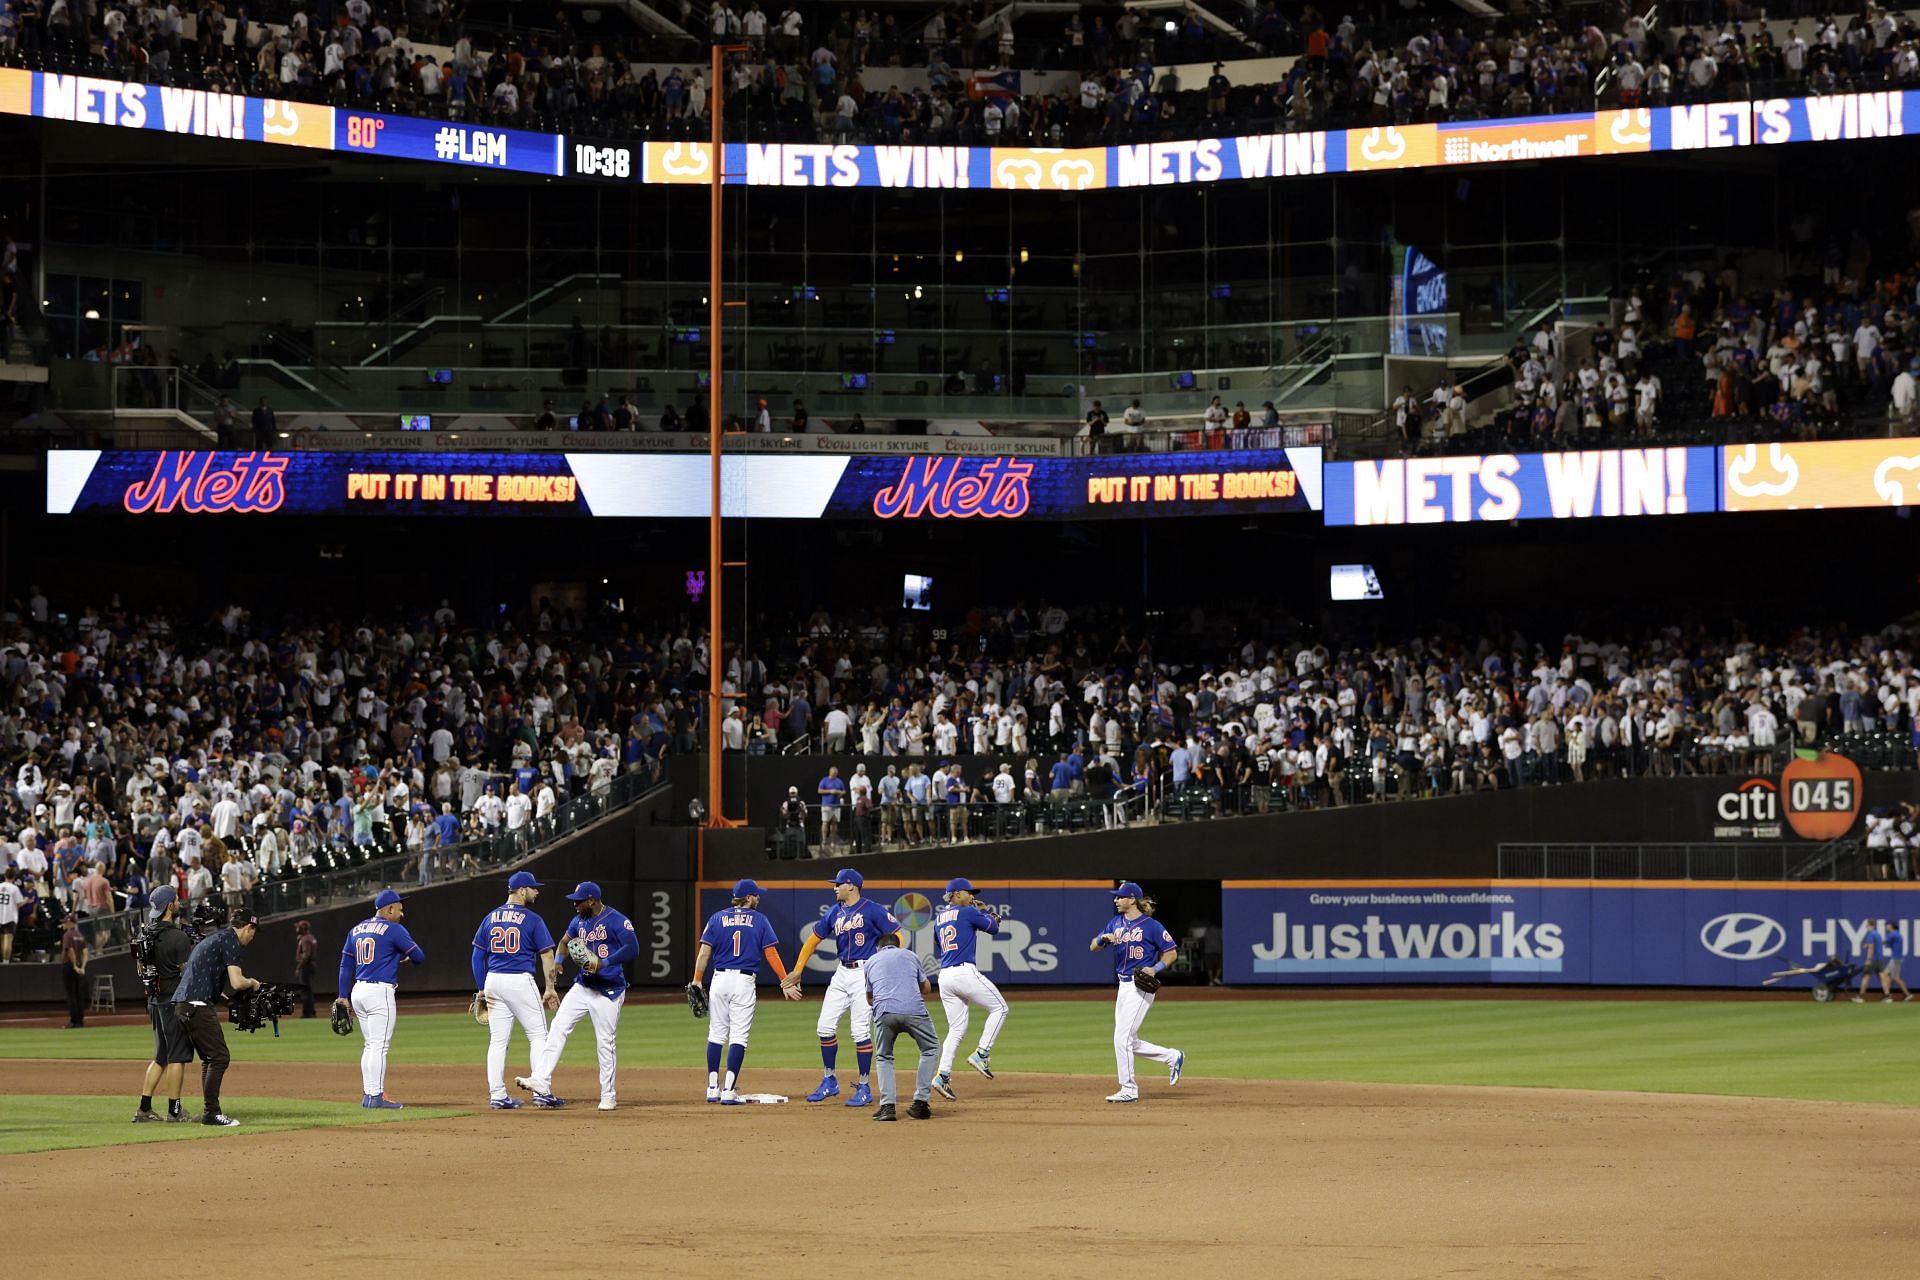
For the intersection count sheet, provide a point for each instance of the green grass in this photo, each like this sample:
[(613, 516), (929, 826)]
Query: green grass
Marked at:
[(52, 1123), (1792, 1048)]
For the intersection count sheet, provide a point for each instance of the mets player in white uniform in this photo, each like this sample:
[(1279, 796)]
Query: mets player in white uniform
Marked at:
[(504, 947), (957, 927), (735, 940), (369, 975), (1140, 943), (598, 991), (855, 924)]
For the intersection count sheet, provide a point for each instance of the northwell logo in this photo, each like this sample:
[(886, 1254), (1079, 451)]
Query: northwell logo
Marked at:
[(1741, 935)]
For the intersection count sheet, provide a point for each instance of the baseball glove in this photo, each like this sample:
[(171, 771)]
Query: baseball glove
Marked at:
[(1147, 982), (478, 1007), (342, 1021), (697, 999), (578, 952)]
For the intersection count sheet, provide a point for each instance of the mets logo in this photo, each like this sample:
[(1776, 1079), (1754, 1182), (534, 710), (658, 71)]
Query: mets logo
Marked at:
[(1741, 935), (957, 488), (913, 911)]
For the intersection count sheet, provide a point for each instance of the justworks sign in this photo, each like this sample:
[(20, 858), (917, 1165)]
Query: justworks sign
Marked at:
[(1374, 945)]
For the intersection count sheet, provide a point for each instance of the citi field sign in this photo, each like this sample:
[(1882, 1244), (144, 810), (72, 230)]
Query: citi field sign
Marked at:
[(1818, 796)]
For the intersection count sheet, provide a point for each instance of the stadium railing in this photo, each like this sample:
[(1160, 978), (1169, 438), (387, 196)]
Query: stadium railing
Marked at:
[(1722, 860)]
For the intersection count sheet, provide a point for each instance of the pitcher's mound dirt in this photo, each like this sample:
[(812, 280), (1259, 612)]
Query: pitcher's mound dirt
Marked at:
[(1025, 1175)]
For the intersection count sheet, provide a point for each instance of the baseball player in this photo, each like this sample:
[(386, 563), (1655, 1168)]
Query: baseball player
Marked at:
[(855, 924), (504, 945), (735, 939), (956, 930), (1142, 945), (597, 992), (369, 972)]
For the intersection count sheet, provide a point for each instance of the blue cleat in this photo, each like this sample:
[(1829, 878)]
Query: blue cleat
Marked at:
[(381, 1102), (862, 1097), (548, 1101), (1179, 1061), (505, 1104), (829, 1088), (978, 1061)]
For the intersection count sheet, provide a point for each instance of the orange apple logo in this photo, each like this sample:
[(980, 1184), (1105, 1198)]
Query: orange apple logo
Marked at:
[(1820, 791)]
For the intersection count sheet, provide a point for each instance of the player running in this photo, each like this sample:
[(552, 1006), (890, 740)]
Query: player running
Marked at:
[(956, 933), (369, 975), (855, 924), (597, 993), (503, 950), (735, 939), (1144, 948)]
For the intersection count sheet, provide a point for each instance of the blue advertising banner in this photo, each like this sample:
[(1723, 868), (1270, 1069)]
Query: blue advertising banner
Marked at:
[(927, 486), (1583, 485), (1045, 924), (1600, 933), (411, 138)]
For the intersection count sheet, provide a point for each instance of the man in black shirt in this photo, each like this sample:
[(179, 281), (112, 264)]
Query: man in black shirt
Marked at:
[(213, 966), (165, 953)]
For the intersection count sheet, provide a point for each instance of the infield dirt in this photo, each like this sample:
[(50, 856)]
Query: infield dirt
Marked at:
[(1027, 1174)]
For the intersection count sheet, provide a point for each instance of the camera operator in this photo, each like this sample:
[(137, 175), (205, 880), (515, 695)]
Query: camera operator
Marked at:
[(213, 966), (793, 825), (162, 953)]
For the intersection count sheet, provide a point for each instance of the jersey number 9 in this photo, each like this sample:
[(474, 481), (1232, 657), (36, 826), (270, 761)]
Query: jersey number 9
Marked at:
[(504, 940), (363, 949)]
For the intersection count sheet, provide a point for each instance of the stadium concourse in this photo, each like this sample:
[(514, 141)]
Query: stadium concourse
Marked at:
[(838, 74), (216, 752)]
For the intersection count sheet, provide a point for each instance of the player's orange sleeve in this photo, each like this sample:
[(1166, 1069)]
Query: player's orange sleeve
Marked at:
[(807, 944), (773, 959)]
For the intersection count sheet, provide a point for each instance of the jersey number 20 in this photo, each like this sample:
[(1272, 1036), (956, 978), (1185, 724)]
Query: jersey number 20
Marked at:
[(504, 940)]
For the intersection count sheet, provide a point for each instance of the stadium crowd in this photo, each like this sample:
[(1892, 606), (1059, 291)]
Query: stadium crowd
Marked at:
[(803, 76)]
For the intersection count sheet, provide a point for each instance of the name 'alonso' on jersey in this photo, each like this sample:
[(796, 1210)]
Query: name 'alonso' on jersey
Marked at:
[(510, 938), (957, 930), (1142, 942), (856, 930)]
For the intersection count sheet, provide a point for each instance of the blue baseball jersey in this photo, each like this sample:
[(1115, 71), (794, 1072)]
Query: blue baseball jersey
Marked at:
[(1876, 940), (1896, 944), (510, 938), (611, 939), (1142, 942), (957, 930), (856, 930), (738, 935), (374, 949)]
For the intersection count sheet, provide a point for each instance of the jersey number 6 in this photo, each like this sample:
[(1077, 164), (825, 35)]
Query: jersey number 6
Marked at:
[(503, 940)]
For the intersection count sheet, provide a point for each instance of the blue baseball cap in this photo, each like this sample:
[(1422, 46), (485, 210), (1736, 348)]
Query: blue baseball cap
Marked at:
[(522, 880), (584, 890), (161, 899), (386, 898), (959, 883), (849, 876), (1129, 890), (745, 888)]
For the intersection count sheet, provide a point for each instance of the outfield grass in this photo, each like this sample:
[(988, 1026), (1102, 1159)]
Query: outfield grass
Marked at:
[(41, 1122), (1791, 1049)]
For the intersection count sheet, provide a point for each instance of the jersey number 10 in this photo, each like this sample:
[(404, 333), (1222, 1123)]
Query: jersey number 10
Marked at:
[(363, 949)]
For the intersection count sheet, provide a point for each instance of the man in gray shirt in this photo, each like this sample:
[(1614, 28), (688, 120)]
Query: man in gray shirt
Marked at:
[(895, 987)]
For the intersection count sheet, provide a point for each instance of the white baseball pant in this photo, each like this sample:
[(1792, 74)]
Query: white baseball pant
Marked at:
[(846, 994), (581, 1002), (374, 1007), (731, 997), (512, 997), (1129, 1011), (962, 985)]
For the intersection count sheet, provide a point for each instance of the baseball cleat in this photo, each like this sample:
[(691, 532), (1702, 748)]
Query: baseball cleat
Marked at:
[(609, 1104), (505, 1104), (829, 1088), (885, 1112), (978, 1061), (145, 1117), (1859, 999), (1124, 1095), (713, 1094), (219, 1120), (862, 1096), (526, 1082), (548, 1101), (944, 1083), (1179, 1061), (728, 1098), (381, 1102), (178, 1117), (919, 1111)]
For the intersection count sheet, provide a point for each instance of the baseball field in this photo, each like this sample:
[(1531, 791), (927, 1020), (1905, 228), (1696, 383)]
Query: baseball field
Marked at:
[(1308, 1137)]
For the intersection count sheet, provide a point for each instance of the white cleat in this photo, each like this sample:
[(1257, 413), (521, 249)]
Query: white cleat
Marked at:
[(728, 1098), (609, 1104), (526, 1082), (1123, 1096), (713, 1093)]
